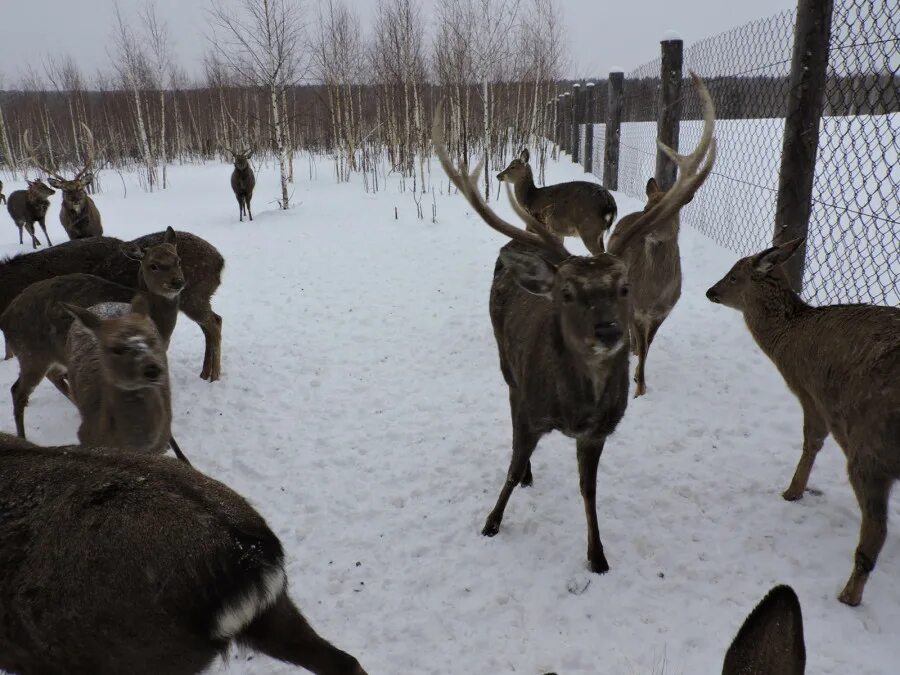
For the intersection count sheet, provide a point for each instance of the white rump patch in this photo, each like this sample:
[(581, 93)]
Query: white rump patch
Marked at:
[(608, 218), (238, 614)]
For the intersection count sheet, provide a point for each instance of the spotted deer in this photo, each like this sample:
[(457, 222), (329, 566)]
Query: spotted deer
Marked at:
[(842, 362), (560, 323)]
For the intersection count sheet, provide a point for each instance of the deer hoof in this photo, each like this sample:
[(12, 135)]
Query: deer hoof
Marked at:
[(792, 494), (850, 597), (640, 390), (599, 566), (490, 528)]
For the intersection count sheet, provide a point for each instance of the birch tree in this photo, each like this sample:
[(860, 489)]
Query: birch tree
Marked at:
[(261, 41), (159, 64)]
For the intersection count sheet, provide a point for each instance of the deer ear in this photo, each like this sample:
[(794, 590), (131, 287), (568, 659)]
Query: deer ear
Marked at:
[(87, 178), (766, 261), (54, 183), (139, 305), (652, 188), (170, 236), (90, 320), (771, 639), (131, 250), (525, 155), (530, 271)]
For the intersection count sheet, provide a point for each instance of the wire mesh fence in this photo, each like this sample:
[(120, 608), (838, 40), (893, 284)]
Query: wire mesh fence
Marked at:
[(853, 242)]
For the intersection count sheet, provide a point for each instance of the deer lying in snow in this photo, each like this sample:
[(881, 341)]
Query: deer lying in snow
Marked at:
[(124, 563), (560, 323), (577, 208), (842, 362)]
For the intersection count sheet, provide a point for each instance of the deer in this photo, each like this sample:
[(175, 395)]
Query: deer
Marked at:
[(243, 181), (842, 362), (579, 208), (163, 567), (119, 378), (560, 324), (2, 196), (200, 261), (654, 273), (78, 215), (37, 328), (29, 206)]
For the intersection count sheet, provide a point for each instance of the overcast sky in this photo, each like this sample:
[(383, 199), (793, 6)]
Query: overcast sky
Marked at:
[(602, 33)]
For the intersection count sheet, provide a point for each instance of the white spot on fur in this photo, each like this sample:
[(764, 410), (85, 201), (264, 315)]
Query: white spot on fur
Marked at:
[(608, 218), (237, 615), (601, 350), (139, 343)]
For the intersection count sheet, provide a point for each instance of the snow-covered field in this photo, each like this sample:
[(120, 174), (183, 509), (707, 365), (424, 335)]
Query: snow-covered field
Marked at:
[(362, 412)]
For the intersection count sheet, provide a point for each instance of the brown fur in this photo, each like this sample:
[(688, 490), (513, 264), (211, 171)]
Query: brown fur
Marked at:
[(2, 196), (654, 271), (577, 208), (122, 563), (36, 328), (243, 181), (27, 207), (79, 215), (842, 362), (119, 379)]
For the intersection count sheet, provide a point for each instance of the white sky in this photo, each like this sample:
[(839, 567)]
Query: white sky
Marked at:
[(601, 33)]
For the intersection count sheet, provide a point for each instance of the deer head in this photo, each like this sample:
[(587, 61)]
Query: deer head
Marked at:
[(752, 274), (160, 265), (517, 170), (241, 159)]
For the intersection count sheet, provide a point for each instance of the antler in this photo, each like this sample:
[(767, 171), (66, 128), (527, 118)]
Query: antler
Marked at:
[(692, 172), (89, 162), (32, 156), (467, 183)]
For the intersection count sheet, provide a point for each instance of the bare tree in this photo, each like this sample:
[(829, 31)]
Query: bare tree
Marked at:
[(159, 66), (262, 43)]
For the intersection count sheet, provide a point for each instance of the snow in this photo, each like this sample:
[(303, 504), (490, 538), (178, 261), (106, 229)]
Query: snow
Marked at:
[(363, 413)]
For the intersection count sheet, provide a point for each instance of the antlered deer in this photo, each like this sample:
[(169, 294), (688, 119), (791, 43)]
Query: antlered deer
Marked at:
[(578, 208), (29, 206), (124, 563), (842, 362), (560, 323), (243, 181), (78, 215)]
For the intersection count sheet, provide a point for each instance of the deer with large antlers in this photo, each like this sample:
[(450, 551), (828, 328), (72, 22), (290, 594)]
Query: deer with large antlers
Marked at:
[(561, 322), (78, 215), (243, 181)]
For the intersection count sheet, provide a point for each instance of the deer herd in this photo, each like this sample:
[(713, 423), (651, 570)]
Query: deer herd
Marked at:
[(117, 559)]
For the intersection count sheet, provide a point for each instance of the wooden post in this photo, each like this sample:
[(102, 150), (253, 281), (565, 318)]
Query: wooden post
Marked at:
[(613, 131), (669, 113), (559, 121), (567, 122), (806, 93), (577, 114), (590, 116)]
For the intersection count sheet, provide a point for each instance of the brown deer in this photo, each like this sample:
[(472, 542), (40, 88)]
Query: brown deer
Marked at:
[(125, 563), (29, 206), (243, 181), (842, 362), (200, 261), (36, 327), (579, 208), (78, 215), (119, 378), (2, 196), (560, 324), (654, 274)]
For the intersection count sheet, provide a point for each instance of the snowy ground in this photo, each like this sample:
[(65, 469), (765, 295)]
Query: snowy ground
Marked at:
[(363, 413)]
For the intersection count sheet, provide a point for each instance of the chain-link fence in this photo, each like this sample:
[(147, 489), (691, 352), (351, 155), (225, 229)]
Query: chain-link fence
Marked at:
[(853, 242)]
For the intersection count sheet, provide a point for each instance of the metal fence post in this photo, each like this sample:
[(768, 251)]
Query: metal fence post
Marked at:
[(669, 113), (590, 116), (806, 94), (613, 131), (576, 122)]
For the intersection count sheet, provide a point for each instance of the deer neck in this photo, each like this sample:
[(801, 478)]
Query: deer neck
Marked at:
[(525, 188), (770, 314), (163, 311)]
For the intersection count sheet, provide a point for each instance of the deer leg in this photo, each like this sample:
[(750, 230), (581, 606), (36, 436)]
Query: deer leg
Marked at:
[(642, 346), (19, 225), (211, 325), (282, 633), (589, 452), (872, 490), (44, 228), (34, 240), (29, 378), (58, 378), (815, 431), (524, 442), (527, 477), (249, 212), (7, 350)]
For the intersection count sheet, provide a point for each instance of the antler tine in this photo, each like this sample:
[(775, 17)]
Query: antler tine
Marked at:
[(89, 161), (32, 155), (466, 183), (689, 177)]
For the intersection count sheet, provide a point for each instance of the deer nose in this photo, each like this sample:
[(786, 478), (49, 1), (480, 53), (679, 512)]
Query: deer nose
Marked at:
[(608, 332), (712, 295), (178, 284), (152, 372)]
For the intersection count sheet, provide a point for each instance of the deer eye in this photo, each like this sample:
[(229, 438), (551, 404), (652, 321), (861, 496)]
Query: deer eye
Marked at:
[(623, 291), (154, 267), (732, 279)]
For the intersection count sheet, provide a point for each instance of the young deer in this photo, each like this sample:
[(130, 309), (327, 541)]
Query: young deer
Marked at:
[(36, 328), (579, 208), (119, 379), (243, 181), (124, 563), (78, 215), (842, 362), (560, 324), (201, 263), (27, 207), (654, 273)]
